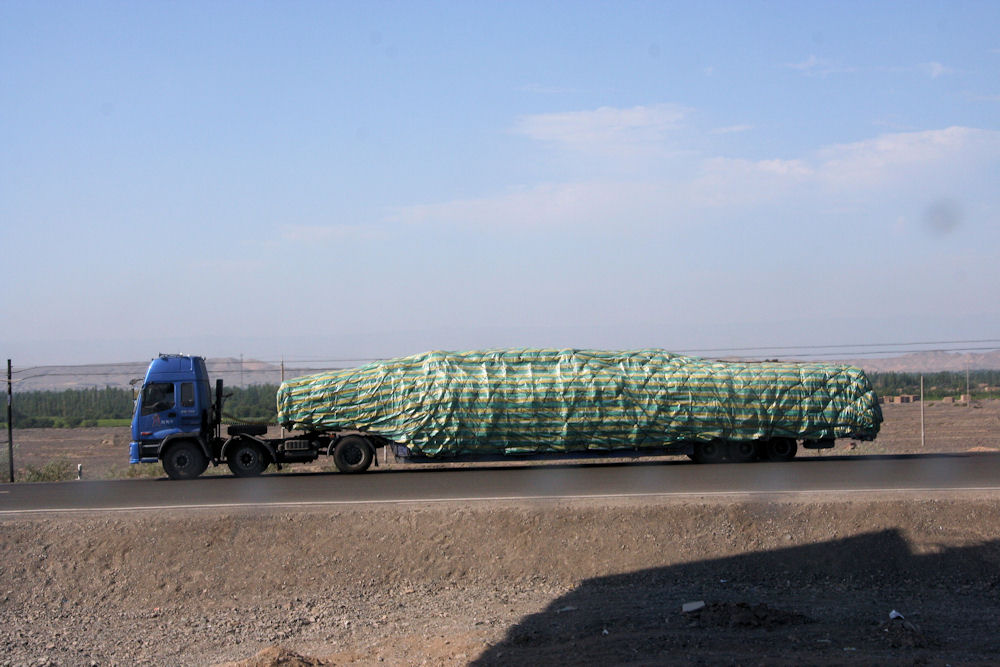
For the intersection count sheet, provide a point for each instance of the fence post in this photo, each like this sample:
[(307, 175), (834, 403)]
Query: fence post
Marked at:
[(10, 423), (921, 413)]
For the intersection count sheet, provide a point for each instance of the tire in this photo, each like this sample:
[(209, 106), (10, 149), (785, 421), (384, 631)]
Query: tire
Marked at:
[(780, 449), (710, 452), (353, 454), (184, 460), (246, 459), (742, 451)]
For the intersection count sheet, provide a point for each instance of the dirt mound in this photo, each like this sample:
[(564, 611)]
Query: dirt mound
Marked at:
[(901, 633), (277, 656)]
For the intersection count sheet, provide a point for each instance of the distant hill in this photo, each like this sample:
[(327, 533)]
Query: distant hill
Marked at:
[(236, 373), (929, 362)]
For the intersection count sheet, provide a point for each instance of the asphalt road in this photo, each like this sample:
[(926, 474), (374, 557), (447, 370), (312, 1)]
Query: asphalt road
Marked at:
[(970, 472)]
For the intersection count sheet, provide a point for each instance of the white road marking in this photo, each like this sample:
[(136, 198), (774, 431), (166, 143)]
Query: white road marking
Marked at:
[(412, 501)]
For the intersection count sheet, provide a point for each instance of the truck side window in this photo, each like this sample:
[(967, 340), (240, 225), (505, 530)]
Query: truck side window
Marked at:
[(187, 394), (157, 397)]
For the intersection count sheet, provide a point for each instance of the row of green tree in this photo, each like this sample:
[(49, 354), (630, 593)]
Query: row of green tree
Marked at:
[(982, 384), (85, 407), (88, 407)]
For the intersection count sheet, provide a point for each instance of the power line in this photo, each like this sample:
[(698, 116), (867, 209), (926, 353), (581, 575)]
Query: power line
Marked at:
[(995, 341), (321, 361), (116, 363), (838, 346), (875, 353)]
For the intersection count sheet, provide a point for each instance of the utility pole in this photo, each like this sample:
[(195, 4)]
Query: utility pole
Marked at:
[(921, 413), (968, 391), (10, 424)]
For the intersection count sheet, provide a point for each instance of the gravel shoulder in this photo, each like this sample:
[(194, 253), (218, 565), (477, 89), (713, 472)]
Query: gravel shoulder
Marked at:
[(787, 580)]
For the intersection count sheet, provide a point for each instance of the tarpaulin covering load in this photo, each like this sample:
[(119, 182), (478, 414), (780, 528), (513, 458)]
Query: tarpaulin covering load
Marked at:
[(526, 401)]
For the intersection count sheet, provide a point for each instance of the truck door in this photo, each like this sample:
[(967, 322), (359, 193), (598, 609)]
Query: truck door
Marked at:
[(190, 415), (158, 410)]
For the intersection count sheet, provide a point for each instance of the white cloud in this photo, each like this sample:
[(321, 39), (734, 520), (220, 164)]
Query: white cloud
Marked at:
[(731, 129), (931, 69), (889, 170), (893, 124), (935, 69), (903, 165), (789, 169), (722, 183), (604, 130), (327, 233), (547, 90), (547, 205), (807, 64), (813, 66), (974, 97), (896, 157)]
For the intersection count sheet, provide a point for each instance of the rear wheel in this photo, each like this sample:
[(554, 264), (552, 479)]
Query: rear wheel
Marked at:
[(184, 460), (352, 454), (246, 459), (710, 452), (742, 451), (780, 449)]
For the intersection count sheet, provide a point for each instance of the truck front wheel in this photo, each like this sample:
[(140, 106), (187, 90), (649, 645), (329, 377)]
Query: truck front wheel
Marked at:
[(184, 460), (246, 459), (352, 454)]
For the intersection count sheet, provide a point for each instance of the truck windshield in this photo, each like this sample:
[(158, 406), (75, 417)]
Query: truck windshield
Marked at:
[(157, 397)]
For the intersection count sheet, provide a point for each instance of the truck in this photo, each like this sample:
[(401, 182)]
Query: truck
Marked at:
[(502, 404)]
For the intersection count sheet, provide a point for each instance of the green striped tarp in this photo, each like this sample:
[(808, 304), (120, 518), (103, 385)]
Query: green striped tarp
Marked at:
[(530, 400)]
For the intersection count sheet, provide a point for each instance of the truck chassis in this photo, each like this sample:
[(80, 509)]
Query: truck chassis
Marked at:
[(248, 453)]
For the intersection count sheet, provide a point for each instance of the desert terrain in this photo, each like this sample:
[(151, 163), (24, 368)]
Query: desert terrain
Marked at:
[(784, 580)]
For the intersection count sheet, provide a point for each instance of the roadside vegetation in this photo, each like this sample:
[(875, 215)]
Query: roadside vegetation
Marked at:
[(73, 408), (983, 384), (56, 470)]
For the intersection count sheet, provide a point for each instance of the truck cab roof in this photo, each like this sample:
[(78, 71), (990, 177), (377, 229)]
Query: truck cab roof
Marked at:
[(176, 368)]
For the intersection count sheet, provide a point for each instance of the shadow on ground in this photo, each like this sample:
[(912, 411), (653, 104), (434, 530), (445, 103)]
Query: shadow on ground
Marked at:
[(826, 603)]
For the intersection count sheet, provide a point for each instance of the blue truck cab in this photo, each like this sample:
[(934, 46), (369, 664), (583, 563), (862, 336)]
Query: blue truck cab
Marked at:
[(178, 422), (175, 402)]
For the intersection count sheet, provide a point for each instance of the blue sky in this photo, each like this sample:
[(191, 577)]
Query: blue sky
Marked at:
[(339, 180)]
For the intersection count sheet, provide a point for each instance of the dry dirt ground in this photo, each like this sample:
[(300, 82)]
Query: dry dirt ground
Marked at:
[(789, 580)]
